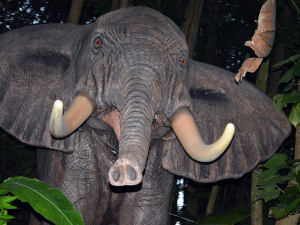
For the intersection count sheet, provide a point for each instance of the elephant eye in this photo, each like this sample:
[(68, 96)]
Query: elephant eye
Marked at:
[(96, 45), (182, 61), (97, 42)]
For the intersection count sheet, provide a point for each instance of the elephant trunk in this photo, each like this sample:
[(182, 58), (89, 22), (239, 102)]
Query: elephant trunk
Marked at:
[(136, 116)]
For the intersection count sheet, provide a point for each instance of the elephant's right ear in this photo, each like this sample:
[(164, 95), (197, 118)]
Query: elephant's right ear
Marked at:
[(35, 70)]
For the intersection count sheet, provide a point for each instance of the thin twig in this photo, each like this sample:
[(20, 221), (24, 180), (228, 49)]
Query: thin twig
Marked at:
[(182, 217)]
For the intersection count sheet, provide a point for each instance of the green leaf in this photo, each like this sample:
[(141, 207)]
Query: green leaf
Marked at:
[(271, 180), (290, 59), (265, 176), (294, 116), (289, 195), (277, 213), (3, 222), (291, 73), (6, 217), (268, 188), (51, 203), (289, 176), (267, 196), (277, 162), (9, 199), (282, 100), (288, 76), (289, 86), (9, 206), (293, 205)]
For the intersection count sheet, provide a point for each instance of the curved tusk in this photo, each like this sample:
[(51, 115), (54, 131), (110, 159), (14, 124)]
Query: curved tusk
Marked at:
[(186, 131), (62, 125)]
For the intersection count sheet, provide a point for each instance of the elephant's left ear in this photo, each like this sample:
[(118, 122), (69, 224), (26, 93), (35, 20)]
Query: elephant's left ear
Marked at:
[(35, 70), (217, 101)]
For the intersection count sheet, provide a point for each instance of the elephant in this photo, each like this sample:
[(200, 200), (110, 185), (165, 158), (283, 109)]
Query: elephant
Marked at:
[(135, 106)]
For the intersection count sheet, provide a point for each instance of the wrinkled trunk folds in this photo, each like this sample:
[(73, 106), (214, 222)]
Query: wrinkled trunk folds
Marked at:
[(136, 116)]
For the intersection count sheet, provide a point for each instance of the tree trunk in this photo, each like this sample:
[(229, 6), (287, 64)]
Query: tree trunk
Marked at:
[(211, 34), (75, 11), (279, 51), (262, 76), (114, 5), (256, 205), (190, 28), (278, 55), (124, 3), (212, 200), (192, 202)]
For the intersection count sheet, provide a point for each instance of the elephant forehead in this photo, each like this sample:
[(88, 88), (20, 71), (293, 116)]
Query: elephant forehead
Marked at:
[(146, 22)]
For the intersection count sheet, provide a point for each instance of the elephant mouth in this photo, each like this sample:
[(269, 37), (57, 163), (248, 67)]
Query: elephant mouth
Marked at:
[(127, 170)]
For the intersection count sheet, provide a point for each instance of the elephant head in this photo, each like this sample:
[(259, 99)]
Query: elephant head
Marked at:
[(130, 69)]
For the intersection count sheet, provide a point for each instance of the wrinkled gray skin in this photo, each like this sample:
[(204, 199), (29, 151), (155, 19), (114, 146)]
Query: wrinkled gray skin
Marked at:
[(142, 70)]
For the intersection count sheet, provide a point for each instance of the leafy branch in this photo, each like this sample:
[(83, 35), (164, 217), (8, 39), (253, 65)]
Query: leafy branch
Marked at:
[(271, 178), (282, 100)]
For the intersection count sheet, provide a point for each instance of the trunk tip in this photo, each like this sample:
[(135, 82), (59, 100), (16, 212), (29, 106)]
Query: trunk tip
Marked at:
[(124, 172)]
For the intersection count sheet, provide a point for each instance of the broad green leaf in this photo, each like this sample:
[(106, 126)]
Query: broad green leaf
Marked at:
[(290, 59), (271, 180), (282, 100), (290, 194), (51, 203), (291, 73), (6, 217), (8, 199), (289, 86), (278, 102), (267, 174), (294, 116), (289, 176), (267, 196), (277, 213), (293, 205), (288, 76), (277, 162), (267, 188), (9, 206)]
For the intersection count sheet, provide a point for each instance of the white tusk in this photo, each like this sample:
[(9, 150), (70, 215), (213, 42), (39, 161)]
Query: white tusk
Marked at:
[(62, 125), (186, 131)]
